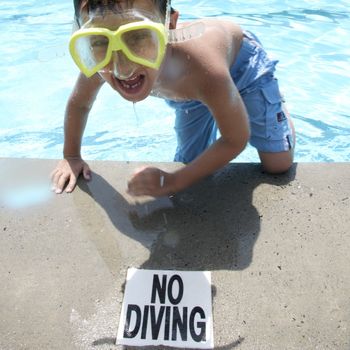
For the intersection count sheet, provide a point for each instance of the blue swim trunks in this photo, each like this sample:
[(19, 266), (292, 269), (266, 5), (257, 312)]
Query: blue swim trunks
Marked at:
[(253, 74)]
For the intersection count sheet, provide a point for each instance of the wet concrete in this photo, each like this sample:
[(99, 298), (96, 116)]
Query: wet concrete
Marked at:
[(277, 246)]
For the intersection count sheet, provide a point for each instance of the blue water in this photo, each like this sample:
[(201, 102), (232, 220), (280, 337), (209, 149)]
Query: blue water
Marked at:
[(309, 38)]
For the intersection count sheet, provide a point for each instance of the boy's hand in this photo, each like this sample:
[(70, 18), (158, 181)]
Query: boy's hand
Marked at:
[(68, 170), (151, 182)]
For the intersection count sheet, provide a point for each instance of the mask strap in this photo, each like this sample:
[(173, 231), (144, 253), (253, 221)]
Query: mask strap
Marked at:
[(167, 15), (187, 32)]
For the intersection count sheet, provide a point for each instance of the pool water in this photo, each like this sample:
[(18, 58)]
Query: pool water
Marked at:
[(309, 38)]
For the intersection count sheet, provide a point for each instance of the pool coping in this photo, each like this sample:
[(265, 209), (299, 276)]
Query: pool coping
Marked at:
[(277, 247)]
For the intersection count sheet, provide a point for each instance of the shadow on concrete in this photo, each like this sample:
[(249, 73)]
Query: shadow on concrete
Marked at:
[(112, 341), (211, 226)]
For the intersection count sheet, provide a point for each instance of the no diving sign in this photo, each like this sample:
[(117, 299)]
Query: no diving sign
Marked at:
[(169, 308)]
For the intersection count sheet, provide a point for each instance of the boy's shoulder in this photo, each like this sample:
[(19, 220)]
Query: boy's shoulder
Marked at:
[(220, 40), (214, 26), (215, 36), (199, 62)]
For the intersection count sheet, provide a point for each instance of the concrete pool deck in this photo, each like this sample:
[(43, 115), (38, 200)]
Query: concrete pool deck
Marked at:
[(278, 248)]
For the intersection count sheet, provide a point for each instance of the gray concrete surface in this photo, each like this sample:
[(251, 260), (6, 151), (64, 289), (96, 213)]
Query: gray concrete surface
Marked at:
[(278, 248)]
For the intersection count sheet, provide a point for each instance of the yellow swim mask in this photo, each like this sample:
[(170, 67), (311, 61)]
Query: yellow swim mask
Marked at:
[(143, 42)]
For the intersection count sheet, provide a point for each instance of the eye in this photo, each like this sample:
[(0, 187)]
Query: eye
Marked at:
[(98, 41), (137, 37)]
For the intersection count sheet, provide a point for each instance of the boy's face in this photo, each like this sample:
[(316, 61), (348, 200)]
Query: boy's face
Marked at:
[(133, 81)]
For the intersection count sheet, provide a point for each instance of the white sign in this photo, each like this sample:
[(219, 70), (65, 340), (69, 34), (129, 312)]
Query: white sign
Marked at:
[(169, 308)]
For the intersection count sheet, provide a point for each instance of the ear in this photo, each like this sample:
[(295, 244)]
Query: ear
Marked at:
[(84, 5), (84, 12), (173, 19)]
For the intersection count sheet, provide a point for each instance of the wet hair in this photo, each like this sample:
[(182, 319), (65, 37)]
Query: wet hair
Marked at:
[(102, 5)]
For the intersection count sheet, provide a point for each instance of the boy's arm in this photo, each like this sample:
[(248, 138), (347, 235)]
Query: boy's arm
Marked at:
[(78, 107), (223, 99), (77, 111)]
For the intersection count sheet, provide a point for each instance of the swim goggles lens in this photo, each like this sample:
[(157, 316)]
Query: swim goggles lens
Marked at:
[(91, 50), (143, 43)]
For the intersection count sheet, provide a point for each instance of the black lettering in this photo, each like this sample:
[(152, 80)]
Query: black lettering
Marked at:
[(200, 325), (179, 323), (144, 322), (158, 288), (173, 300), (127, 332), (156, 322), (167, 323)]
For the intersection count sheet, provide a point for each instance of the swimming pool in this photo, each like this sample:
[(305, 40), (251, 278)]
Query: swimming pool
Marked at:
[(310, 39)]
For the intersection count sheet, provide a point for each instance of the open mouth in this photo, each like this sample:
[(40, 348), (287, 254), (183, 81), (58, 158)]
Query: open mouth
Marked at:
[(132, 85)]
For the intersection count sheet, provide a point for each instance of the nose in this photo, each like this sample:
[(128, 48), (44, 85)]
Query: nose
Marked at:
[(123, 68)]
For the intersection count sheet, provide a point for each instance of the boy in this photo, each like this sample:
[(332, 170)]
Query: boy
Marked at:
[(221, 79)]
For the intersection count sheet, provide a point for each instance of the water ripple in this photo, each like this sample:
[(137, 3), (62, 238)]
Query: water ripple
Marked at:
[(309, 38)]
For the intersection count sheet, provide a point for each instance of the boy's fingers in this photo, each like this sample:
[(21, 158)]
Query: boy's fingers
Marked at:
[(87, 172), (55, 179), (62, 181), (71, 184), (53, 173), (143, 190), (136, 189), (136, 193)]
